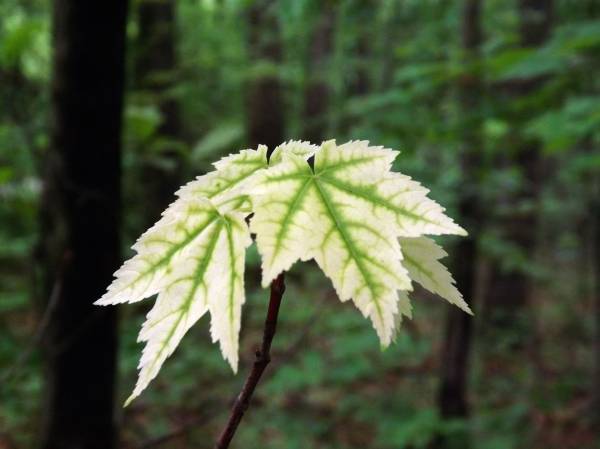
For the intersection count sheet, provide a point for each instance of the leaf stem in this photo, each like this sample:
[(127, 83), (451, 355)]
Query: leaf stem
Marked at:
[(263, 357)]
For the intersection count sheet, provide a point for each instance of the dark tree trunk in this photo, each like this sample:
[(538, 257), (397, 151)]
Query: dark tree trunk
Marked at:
[(509, 288), (595, 245), (452, 395), (80, 223), (317, 94), (264, 103), (155, 66)]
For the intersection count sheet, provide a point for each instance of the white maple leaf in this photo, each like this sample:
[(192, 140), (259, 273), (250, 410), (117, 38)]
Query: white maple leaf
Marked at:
[(210, 277), (421, 258), (362, 223), (404, 310), (165, 260), (159, 250), (300, 148), (346, 214)]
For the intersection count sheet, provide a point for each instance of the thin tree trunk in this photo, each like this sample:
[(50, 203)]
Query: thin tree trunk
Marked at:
[(317, 94), (595, 245), (155, 66), (80, 223), (264, 103), (452, 396), (509, 288)]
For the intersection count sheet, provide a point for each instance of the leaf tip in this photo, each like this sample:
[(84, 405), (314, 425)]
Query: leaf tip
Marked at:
[(384, 345), (328, 144), (105, 300), (461, 231), (129, 400), (468, 310)]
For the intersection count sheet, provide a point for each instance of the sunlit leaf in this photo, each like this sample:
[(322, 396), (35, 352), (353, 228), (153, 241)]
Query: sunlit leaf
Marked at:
[(341, 205), (209, 277), (347, 215), (421, 258)]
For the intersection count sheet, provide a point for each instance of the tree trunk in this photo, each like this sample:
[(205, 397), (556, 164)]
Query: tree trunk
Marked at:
[(155, 66), (80, 220), (264, 103), (595, 245), (317, 94), (452, 395), (508, 288)]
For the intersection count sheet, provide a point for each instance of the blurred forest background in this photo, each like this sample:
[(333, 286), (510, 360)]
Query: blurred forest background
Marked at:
[(495, 104)]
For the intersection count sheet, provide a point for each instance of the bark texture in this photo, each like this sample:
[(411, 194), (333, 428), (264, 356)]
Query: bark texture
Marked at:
[(80, 223), (595, 242), (453, 391)]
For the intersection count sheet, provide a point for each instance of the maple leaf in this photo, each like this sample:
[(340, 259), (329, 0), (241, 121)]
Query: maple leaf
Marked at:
[(421, 258), (347, 214), (193, 257), (361, 222)]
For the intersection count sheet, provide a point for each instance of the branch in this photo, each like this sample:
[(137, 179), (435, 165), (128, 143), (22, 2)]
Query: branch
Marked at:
[(263, 357)]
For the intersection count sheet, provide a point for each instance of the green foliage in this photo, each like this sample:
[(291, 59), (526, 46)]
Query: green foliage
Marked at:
[(328, 387)]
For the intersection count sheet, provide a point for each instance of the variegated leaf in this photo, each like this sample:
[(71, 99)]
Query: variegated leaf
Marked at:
[(159, 251), (350, 213), (282, 200), (347, 214), (297, 147), (226, 186), (421, 258), (356, 170), (404, 310), (182, 221), (209, 277)]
